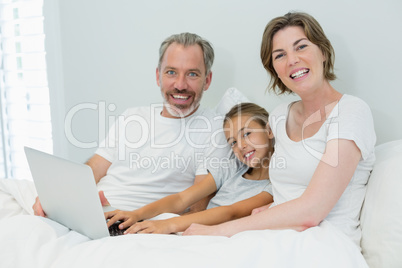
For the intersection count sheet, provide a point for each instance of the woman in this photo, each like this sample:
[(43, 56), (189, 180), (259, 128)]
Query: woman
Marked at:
[(325, 140)]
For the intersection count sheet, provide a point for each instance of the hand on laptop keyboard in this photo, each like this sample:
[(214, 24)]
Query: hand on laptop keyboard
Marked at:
[(114, 229)]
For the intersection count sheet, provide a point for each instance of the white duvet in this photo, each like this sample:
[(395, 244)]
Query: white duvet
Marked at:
[(30, 241)]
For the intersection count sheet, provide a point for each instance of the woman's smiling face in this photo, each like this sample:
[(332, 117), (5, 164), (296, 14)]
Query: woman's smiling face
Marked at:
[(297, 61)]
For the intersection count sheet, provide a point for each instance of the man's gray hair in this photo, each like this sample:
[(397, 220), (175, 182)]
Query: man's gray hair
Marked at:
[(189, 39)]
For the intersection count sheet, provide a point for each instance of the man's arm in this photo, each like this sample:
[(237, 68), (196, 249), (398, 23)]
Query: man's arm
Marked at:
[(99, 166)]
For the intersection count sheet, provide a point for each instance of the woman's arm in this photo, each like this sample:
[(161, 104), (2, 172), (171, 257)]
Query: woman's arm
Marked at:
[(211, 216), (329, 181), (174, 203)]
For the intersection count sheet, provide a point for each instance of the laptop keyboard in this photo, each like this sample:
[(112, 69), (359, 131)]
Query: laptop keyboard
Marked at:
[(114, 229)]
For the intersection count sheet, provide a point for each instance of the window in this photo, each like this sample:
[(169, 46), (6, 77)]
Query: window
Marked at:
[(24, 93)]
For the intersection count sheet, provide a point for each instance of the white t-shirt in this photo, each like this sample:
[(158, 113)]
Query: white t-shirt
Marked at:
[(154, 156), (231, 186), (293, 163)]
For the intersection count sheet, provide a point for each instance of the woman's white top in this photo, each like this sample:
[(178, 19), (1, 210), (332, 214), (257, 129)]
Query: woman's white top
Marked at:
[(294, 163)]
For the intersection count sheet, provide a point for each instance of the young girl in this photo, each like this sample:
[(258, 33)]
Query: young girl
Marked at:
[(241, 184)]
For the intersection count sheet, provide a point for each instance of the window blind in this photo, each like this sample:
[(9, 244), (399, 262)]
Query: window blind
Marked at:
[(24, 93)]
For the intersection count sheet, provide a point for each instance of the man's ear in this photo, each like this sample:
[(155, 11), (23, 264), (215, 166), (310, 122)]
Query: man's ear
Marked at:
[(208, 80), (157, 77)]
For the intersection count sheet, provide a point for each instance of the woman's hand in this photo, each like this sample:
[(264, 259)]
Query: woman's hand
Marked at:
[(151, 227), (127, 218), (199, 229)]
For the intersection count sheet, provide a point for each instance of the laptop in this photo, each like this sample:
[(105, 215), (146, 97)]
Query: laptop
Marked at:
[(68, 194)]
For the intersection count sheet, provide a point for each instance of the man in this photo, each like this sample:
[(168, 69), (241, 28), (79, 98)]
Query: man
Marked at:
[(159, 150)]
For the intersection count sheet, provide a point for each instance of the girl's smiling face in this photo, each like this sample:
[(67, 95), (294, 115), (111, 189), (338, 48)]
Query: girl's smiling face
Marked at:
[(250, 141), (298, 62)]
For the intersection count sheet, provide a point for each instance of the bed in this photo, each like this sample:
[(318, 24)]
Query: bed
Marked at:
[(30, 241)]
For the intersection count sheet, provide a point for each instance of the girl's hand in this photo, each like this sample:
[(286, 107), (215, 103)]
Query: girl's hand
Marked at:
[(151, 227), (127, 218), (199, 229)]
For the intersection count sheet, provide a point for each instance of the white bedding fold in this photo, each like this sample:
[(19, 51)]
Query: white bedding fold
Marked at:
[(16, 197)]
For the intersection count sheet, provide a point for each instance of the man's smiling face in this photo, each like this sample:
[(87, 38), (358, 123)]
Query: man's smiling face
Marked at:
[(182, 80)]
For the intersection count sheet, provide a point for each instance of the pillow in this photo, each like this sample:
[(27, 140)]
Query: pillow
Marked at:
[(381, 217), (230, 98)]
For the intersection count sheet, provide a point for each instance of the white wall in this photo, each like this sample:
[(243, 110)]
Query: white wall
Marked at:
[(101, 50)]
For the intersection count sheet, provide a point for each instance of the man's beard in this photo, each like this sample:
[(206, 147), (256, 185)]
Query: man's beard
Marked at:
[(181, 110)]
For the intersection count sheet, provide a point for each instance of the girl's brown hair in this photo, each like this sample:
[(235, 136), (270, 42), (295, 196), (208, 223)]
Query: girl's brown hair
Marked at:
[(257, 113)]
